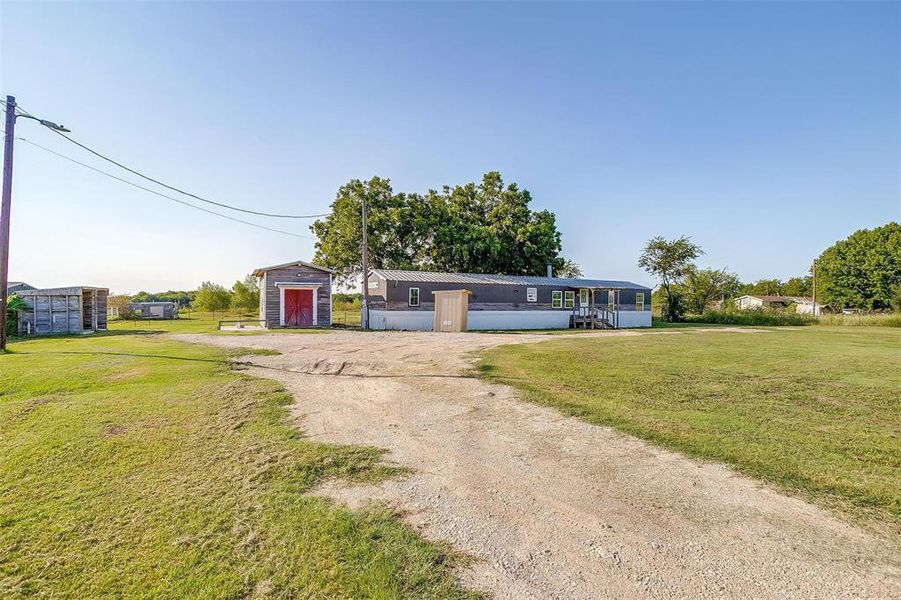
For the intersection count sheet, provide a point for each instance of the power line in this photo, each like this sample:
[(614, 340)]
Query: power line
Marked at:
[(146, 189), (175, 189)]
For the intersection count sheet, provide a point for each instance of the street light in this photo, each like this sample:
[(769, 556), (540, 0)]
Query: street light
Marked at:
[(7, 200), (47, 123)]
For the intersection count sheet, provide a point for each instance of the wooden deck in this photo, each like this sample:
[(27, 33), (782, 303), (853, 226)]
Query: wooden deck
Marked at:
[(596, 317)]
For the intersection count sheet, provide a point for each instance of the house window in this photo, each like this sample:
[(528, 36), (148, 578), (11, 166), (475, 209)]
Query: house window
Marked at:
[(556, 299), (531, 294), (639, 301), (569, 299), (413, 299)]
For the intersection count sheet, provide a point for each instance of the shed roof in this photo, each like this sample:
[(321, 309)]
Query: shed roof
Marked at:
[(60, 291), (259, 272), (486, 279)]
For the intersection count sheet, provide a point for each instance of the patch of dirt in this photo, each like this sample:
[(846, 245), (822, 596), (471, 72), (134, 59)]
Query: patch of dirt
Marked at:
[(550, 506)]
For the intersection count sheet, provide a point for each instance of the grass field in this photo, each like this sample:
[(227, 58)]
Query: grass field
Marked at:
[(815, 411), (195, 322), (206, 322), (135, 466)]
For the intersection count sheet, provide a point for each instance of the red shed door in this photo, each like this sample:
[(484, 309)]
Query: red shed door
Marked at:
[(298, 308)]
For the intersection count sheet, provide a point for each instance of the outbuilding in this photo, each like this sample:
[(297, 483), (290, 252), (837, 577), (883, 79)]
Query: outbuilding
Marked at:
[(415, 300), (154, 310), (802, 304), (295, 294), (54, 311)]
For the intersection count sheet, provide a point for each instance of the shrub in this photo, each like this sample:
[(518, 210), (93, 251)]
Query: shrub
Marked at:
[(674, 308), (752, 317), (870, 320)]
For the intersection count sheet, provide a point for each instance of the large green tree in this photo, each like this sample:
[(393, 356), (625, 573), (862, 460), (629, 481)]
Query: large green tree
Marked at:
[(212, 297), (704, 287), (245, 295), (670, 261), (862, 271), (484, 228)]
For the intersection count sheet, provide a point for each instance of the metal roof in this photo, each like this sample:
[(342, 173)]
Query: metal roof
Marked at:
[(61, 291), (485, 279), (259, 272)]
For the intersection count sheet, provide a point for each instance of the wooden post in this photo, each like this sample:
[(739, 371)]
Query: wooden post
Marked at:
[(365, 313)]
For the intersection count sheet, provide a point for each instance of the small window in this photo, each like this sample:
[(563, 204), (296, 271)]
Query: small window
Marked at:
[(531, 294), (556, 299), (414, 297), (374, 285), (569, 299), (639, 301)]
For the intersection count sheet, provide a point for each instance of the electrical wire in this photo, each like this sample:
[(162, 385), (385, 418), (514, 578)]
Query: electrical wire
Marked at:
[(174, 189), (146, 189)]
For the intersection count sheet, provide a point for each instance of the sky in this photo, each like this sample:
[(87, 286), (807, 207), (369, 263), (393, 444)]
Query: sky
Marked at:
[(765, 131)]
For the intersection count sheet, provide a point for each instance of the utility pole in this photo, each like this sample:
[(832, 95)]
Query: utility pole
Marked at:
[(7, 201), (5, 211), (365, 315)]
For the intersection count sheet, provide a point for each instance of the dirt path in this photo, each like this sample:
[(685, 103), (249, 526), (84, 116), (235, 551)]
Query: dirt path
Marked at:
[(550, 506)]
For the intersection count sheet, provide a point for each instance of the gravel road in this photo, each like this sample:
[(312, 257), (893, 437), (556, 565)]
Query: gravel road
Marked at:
[(549, 506)]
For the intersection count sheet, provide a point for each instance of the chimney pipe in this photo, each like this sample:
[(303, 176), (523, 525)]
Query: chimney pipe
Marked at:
[(550, 271)]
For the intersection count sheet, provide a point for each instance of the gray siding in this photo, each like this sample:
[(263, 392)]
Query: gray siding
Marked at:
[(394, 295), (63, 310), (270, 297)]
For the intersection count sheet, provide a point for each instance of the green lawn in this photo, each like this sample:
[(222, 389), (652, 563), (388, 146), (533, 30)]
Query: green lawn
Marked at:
[(814, 410), (196, 322), (136, 466)]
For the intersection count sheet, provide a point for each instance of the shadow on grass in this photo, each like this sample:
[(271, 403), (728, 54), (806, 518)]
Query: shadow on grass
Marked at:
[(128, 354)]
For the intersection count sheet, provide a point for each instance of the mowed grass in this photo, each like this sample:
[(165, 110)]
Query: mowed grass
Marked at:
[(815, 411), (197, 322), (136, 466)]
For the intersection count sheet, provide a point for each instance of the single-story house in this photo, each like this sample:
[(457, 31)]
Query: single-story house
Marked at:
[(63, 310), (802, 304), (295, 294), (16, 286), (412, 299), (154, 310)]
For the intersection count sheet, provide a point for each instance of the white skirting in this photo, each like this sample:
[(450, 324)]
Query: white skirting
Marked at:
[(421, 320), (633, 318)]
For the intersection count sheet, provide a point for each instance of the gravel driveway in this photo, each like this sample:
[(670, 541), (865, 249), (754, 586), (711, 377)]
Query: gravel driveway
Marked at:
[(549, 506)]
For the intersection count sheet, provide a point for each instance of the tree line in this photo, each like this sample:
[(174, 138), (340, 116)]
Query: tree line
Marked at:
[(243, 296), (862, 272)]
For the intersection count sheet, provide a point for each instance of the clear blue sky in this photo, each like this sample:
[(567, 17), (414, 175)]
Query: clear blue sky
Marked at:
[(763, 130)]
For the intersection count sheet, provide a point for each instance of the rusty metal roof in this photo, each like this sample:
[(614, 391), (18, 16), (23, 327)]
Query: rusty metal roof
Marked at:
[(486, 279)]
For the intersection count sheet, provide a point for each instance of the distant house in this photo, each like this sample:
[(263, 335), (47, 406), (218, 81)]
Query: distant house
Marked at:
[(460, 301), (16, 286), (801, 304), (153, 310), (63, 310), (295, 294)]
